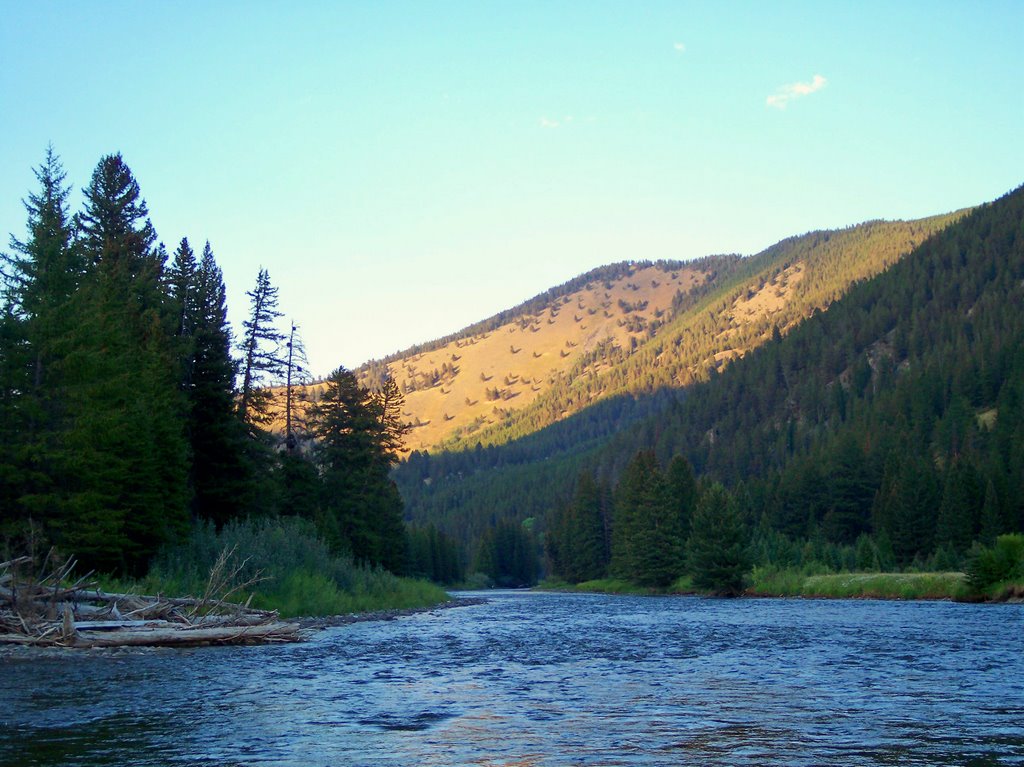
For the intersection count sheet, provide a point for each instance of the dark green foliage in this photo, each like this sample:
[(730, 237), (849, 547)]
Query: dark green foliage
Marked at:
[(118, 409), (683, 491), (119, 469), (354, 460), (959, 514), (507, 555), (1002, 561), (577, 538), (716, 550), (646, 537), (223, 460), (434, 556), (40, 280)]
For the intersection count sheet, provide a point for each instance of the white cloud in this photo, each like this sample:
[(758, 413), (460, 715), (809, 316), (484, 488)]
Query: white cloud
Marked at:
[(555, 122), (787, 93), (679, 47)]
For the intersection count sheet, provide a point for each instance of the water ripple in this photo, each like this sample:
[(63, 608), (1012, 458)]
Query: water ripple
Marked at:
[(550, 680)]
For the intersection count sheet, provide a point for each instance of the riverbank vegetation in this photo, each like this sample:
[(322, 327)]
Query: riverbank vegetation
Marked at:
[(136, 433), (293, 571)]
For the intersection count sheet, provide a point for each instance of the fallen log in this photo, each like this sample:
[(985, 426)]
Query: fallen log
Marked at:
[(50, 609), (189, 636)]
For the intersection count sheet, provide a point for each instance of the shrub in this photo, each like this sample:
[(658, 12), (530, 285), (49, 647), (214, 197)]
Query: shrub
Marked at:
[(303, 577), (1003, 561)]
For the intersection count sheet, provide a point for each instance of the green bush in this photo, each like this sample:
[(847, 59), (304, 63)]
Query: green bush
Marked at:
[(1003, 561)]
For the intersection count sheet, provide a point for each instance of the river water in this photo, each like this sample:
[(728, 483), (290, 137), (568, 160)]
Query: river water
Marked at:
[(549, 679)]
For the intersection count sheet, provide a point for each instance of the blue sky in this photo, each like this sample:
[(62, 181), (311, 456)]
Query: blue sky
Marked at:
[(405, 169)]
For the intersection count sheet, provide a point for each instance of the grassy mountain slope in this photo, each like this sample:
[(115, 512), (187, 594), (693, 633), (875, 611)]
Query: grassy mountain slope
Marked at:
[(923, 361), (477, 379), (626, 328), (777, 288)]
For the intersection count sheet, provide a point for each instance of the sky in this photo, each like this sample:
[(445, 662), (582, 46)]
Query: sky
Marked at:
[(406, 169)]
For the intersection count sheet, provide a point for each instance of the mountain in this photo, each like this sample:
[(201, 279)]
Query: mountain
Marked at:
[(626, 328), (465, 387), (897, 410)]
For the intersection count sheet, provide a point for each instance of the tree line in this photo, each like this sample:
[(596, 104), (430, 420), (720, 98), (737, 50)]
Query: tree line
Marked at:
[(129, 414)]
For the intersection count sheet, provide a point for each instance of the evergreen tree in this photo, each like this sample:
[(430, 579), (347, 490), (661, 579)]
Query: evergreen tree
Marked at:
[(991, 518), (959, 510), (359, 497), (717, 549), (589, 554), (120, 478), (506, 554), (682, 488), (576, 540), (262, 363), (181, 286), (39, 280), (647, 546), (851, 495), (224, 463), (389, 402)]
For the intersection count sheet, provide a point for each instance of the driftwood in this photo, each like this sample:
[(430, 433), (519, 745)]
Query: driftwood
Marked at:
[(50, 609)]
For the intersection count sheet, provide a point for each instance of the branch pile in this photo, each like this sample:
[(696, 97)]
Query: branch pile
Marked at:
[(49, 609)]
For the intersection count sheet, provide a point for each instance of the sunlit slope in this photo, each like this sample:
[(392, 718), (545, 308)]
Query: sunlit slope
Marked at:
[(625, 328), (774, 290), (470, 384)]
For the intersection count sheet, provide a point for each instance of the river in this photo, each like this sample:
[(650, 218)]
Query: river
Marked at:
[(549, 679)]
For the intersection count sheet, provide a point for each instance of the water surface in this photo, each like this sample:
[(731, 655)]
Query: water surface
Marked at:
[(549, 679)]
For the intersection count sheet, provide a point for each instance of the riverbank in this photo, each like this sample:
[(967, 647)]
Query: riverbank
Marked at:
[(900, 586), (768, 582)]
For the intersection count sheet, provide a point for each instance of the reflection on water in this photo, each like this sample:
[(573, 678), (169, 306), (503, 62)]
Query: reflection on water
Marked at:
[(549, 679)]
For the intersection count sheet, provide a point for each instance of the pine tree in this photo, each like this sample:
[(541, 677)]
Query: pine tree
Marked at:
[(682, 488), (181, 286), (120, 477), (716, 550), (39, 282), (262, 363), (222, 475), (851, 495), (389, 402), (960, 508), (647, 546), (361, 503), (588, 553)]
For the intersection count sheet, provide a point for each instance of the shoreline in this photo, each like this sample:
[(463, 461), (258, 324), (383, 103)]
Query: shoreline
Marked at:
[(894, 587)]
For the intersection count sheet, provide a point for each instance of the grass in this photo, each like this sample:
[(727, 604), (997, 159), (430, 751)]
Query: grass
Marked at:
[(303, 578), (683, 585), (774, 582)]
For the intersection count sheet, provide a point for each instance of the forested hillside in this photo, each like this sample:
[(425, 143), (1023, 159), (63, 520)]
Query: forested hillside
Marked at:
[(758, 298), (893, 417)]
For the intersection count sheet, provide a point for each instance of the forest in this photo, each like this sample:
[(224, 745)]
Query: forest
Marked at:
[(134, 425), (884, 433)]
